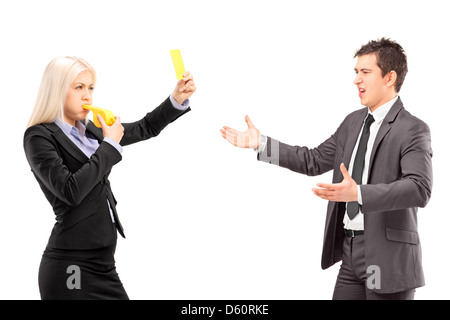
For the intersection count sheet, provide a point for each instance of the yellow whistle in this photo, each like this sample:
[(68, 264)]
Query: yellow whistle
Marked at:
[(107, 115)]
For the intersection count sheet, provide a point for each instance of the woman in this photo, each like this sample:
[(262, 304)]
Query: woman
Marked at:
[(71, 159)]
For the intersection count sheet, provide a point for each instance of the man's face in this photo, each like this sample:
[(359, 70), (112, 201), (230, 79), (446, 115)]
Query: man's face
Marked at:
[(372, 86)]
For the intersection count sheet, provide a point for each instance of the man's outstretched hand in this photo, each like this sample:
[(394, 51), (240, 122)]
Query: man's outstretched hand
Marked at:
[(346, 191), (246, 139)]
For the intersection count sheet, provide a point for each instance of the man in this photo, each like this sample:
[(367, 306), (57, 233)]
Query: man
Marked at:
[(371, 222)]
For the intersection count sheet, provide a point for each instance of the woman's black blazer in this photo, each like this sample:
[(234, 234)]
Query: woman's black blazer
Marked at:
[(77, 187)]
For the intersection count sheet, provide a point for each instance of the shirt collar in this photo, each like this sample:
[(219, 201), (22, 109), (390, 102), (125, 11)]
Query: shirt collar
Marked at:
[(380, 113), (81, 127), (68, 129)]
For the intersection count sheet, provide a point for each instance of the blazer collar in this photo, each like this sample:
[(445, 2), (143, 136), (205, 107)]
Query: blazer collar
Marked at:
[(68, 145), (386, 126), (355, 129), (65, 142), (392, 114)]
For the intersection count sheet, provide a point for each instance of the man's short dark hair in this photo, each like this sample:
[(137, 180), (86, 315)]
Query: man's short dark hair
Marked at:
[(390, 57)]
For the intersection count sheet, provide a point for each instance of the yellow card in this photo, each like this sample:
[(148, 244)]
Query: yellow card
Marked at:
[(177, 63)]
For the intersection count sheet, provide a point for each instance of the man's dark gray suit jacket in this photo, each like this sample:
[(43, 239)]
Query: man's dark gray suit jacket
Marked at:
[(399, 181)]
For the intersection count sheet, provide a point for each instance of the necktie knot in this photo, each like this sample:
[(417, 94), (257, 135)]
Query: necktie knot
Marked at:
[(369, 120)]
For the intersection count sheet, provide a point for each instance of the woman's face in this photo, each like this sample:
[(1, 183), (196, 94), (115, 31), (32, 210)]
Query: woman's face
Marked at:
[(80, 92)]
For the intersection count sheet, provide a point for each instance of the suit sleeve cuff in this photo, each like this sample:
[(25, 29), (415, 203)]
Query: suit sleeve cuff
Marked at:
[(262, 143), (113, 143), (270, 152), (178, 106)]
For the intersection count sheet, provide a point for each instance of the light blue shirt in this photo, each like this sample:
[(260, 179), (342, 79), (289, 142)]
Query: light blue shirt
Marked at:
[(89, 144), (82, 139)]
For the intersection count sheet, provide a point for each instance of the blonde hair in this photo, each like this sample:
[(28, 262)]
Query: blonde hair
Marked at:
[(58, 76)]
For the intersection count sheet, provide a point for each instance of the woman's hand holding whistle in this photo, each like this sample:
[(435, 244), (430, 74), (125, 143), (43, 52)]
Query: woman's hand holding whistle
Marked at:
[(115, 131)]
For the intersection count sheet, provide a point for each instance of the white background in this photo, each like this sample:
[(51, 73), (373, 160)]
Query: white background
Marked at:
[(203, 219)]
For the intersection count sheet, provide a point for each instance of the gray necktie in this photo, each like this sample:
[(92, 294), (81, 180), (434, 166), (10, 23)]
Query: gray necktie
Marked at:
[(358, 165)]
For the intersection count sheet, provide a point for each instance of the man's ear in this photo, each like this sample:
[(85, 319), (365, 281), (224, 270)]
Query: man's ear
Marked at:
[(391, 78)]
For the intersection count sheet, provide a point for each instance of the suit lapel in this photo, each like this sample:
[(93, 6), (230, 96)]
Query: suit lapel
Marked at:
[(65, 142), (354, 130), (68, 145), (384, 129)]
